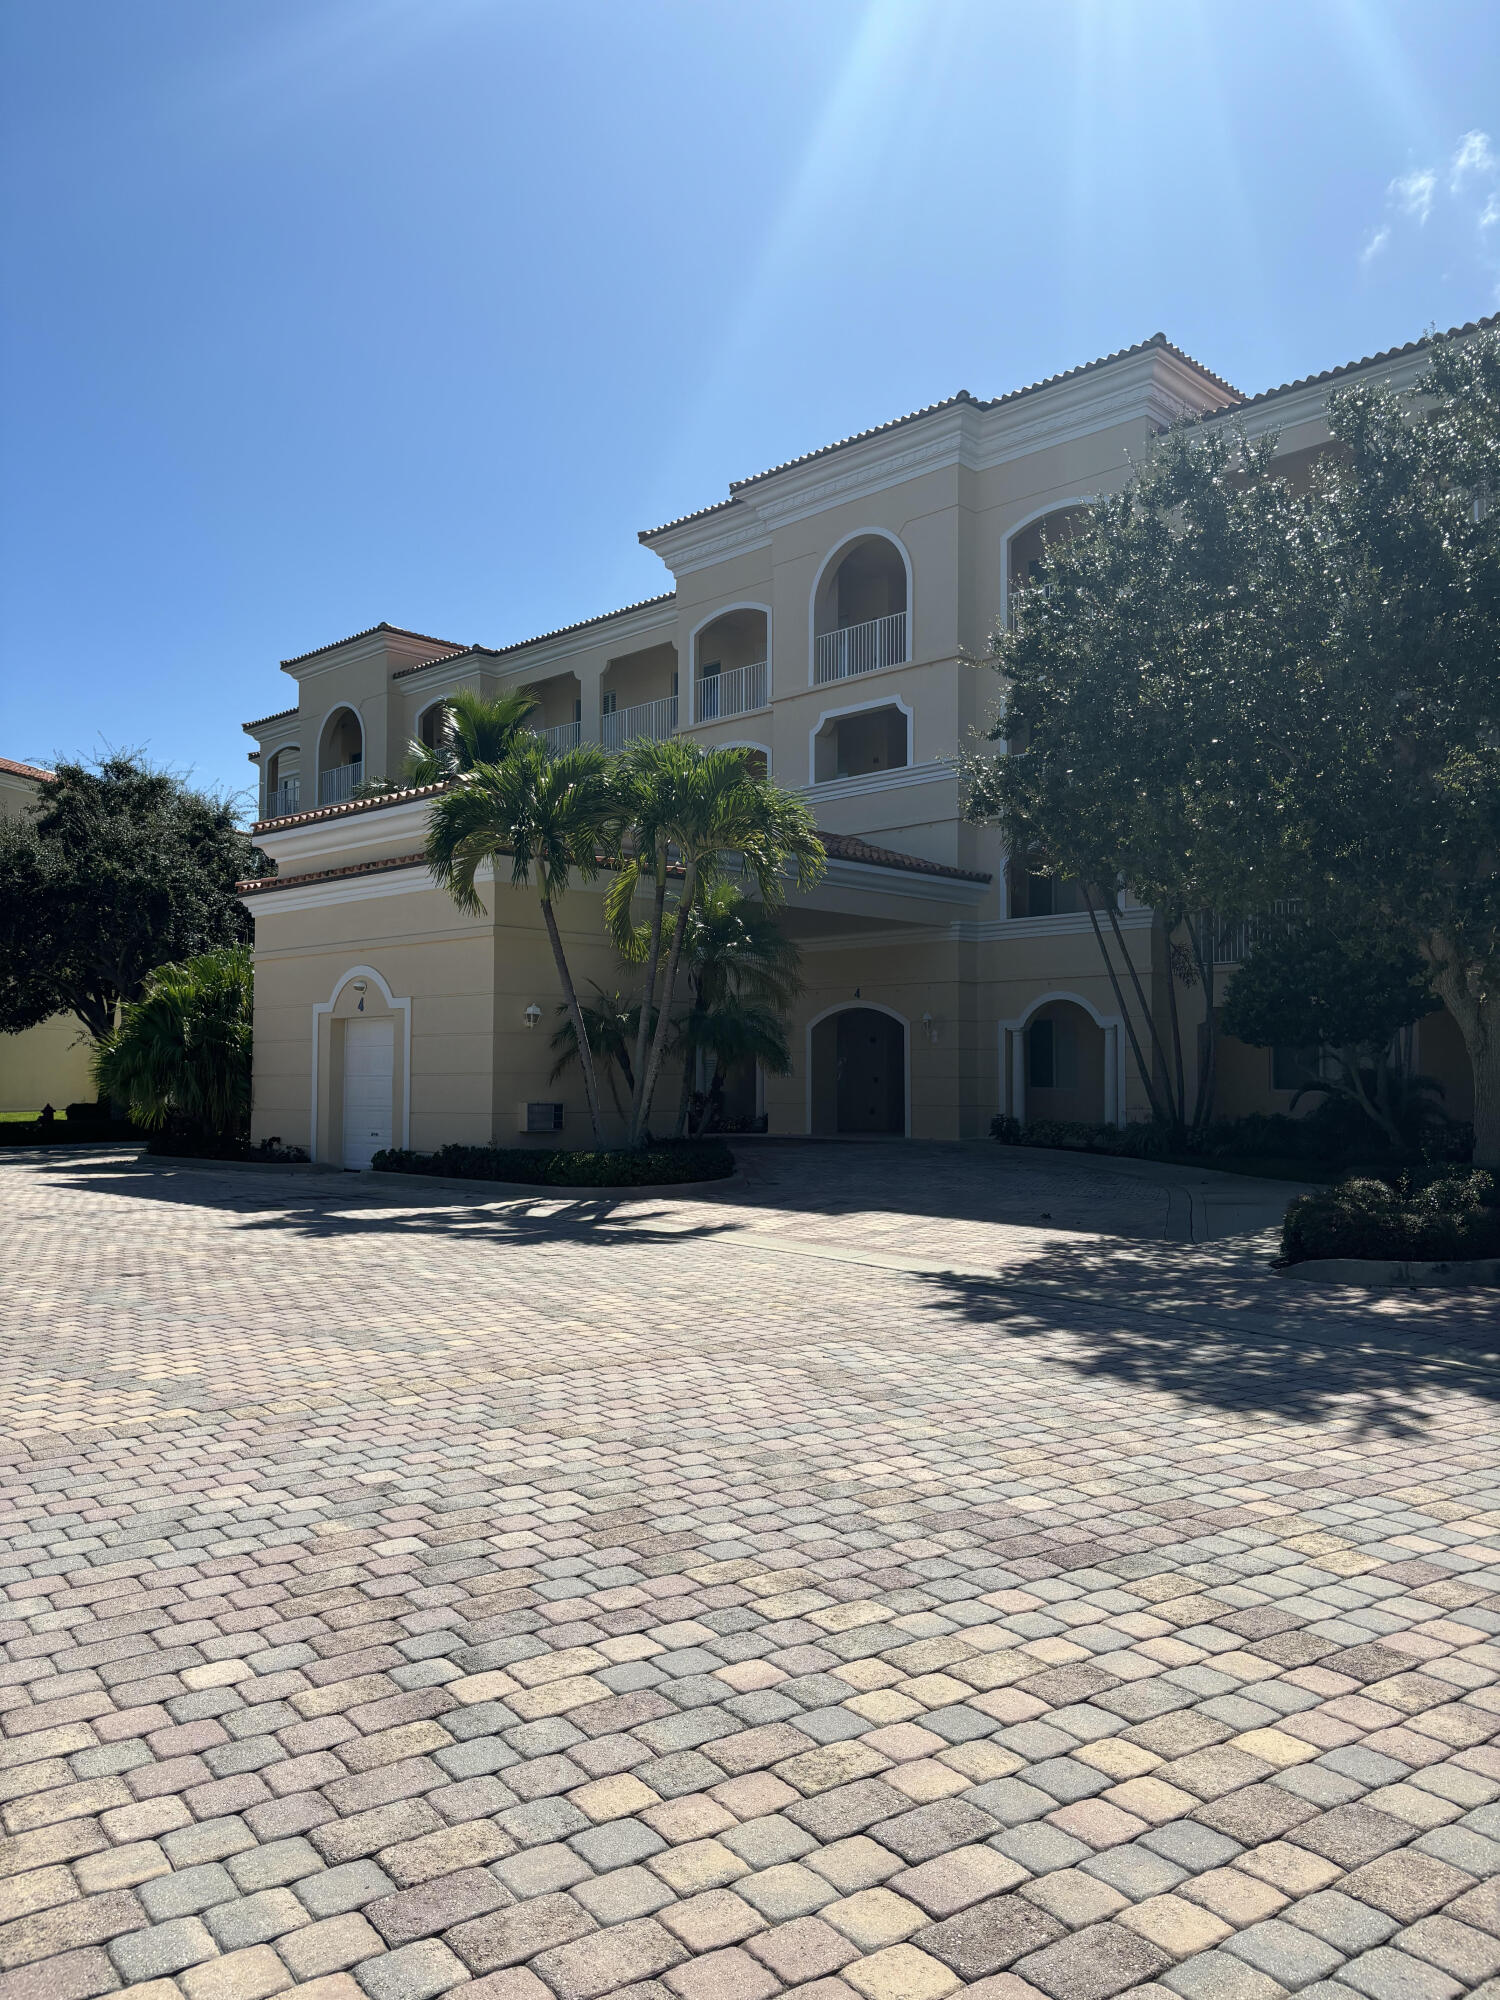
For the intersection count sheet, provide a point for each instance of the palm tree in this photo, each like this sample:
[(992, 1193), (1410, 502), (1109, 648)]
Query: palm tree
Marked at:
[(182, 1051), (472, 729), (732, 1032), (705, 812), (609, 1022), (737, 956), (551, 816)]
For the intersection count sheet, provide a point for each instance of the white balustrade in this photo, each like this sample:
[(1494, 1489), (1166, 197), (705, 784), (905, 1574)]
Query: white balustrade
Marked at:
[(647, 718), (562, 736), (860, 649), (337, 785), (733, 691)]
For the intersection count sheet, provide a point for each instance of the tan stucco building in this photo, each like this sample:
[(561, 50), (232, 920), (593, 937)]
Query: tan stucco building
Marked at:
[(48, 1064), (831, 613)]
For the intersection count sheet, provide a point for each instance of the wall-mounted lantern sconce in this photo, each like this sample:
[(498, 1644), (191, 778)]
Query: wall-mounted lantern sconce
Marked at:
[(359, 986), (929, 1027), (533, 1015)]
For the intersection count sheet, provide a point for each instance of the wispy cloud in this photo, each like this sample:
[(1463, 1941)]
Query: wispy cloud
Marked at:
[(1413, 192), (1473, 156), (1379, 238), (1461, 195)]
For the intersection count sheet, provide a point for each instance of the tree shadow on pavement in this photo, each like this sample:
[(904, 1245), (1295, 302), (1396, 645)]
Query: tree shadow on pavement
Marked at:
[(323, 1210), (1214, 1326)]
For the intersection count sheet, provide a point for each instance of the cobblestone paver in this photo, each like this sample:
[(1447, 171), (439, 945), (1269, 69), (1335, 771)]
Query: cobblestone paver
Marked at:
[(904, 1574)]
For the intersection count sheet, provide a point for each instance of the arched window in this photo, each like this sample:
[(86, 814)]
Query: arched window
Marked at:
[(860, 609), (283, 782)]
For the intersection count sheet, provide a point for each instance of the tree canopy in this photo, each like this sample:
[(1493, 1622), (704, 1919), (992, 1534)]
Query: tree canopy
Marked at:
[(1234, 687), (117, 869)]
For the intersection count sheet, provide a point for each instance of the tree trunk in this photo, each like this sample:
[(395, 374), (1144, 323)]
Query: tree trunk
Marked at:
[(669, 987), (1179, 1100), (1114, 981), (585, 1053), (1203, 1103), (648, 1001), (1462, 988)]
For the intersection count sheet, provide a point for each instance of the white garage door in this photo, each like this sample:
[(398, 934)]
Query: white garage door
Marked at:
[(369, 1077)]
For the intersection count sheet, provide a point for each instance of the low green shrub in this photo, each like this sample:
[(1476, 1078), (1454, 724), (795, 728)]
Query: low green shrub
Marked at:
[(1131, 1142), (66, 1131), (703, 1161), (192, 1143), (1447, 1214)]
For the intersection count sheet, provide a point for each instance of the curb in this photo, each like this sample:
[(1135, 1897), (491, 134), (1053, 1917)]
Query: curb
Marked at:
[(1380, 1276), (367, 1174)]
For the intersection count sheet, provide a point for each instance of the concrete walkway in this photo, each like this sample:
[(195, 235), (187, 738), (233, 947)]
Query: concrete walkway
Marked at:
[(911, 1571)]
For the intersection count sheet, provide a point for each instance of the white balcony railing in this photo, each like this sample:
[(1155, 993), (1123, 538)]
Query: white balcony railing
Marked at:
[(860, 649), (736, 691), (338, 784), (562, 736), (1020, 597), (647, 718), (283, 798), (1234, 939)]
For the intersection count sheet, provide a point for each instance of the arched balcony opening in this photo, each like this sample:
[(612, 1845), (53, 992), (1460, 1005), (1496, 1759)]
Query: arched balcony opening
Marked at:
[(860, 610), (1026, 552), (861, 743), (341, 755), (731, 670), (283, 778), (558, 715), (638, 696), (432, 725)]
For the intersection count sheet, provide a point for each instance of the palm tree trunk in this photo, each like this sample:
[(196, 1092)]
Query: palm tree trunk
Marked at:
[(585, 1053), (689, 1066), (648, 1000), (669, 987)]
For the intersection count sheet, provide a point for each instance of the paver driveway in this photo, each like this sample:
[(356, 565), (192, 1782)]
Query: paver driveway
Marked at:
[(793, 1590)]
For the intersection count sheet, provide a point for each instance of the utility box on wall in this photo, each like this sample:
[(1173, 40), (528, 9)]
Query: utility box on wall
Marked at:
[(541, 1118)]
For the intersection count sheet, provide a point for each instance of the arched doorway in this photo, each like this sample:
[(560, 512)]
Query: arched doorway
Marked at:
[(341, 750), (1065, 1065), (860, 609), (857, 1073)]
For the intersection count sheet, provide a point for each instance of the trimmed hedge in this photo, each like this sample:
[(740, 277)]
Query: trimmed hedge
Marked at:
[(1333, 1135), (1449, 1216), (213, 1146), (710, 1161), (67, 1131)]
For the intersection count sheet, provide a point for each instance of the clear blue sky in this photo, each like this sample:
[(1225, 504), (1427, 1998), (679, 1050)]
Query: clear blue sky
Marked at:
[(318, 312)]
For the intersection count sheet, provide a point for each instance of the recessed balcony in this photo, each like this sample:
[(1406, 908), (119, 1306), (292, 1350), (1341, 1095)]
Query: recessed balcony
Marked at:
[(283, 798), (562, 736), (861, 613), (618, 726), (732, 691), (861, 649), (337, 786)]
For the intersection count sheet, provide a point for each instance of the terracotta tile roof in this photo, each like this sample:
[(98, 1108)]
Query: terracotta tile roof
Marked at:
[(261, 885), (846, 847), (557, 632), (401, 631), (15, 770), (1373, 360), (261, 720), (348, 808), (842, 846), (1157, 340)]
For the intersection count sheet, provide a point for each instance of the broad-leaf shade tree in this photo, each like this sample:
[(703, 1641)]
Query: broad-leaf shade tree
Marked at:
[(1234, 692), (116, 870), (1310, 985)]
